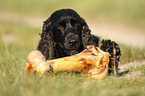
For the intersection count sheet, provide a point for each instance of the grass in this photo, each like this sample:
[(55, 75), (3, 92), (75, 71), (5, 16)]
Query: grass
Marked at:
[(17, 40), (130, 53), (14, 82)]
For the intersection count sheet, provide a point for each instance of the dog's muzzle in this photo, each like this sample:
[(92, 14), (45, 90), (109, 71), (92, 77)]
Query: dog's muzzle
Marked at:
[(72, 41)]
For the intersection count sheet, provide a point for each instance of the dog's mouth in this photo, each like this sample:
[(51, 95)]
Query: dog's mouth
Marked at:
[(72, 51)]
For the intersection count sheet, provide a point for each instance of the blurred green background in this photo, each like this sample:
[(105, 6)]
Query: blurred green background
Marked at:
[(126, 11)]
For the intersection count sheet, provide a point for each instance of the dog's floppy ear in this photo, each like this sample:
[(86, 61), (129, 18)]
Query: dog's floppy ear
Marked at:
[(47, 43), (87, 38)]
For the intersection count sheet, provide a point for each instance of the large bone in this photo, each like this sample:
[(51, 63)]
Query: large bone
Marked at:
[(92, 62)]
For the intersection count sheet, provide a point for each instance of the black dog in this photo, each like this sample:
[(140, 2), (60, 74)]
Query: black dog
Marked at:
[(65, 33)]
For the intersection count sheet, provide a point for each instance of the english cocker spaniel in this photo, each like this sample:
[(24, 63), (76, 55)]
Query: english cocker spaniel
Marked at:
[(65, 33)]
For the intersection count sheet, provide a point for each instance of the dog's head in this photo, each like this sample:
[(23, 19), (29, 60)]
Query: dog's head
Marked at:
[(67, 30)]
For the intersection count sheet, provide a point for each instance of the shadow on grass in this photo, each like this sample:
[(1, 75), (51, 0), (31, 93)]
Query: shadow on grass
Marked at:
[(122, 73)]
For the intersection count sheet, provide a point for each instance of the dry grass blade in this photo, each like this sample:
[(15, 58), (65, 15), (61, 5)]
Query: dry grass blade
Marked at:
[(6, 46), (114, 55)]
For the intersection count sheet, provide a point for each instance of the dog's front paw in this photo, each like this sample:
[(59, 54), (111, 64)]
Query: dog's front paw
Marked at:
[(114, 50)]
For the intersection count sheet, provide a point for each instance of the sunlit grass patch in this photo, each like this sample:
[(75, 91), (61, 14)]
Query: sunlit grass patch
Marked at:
[(18, 37), (131, 53)]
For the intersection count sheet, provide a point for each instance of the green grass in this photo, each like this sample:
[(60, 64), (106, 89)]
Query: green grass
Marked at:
[(14, 82), (130, 53)]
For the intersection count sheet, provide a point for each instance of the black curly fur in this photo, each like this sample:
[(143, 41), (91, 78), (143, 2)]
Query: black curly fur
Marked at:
[(50, 49), (46, 44), (110, 46)]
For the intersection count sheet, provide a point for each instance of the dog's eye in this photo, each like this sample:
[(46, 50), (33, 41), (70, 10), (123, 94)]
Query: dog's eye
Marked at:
[(60, 26), (76, 24)]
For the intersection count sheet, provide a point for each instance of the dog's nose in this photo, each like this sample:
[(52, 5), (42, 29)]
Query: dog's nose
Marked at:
[(72, 42)]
